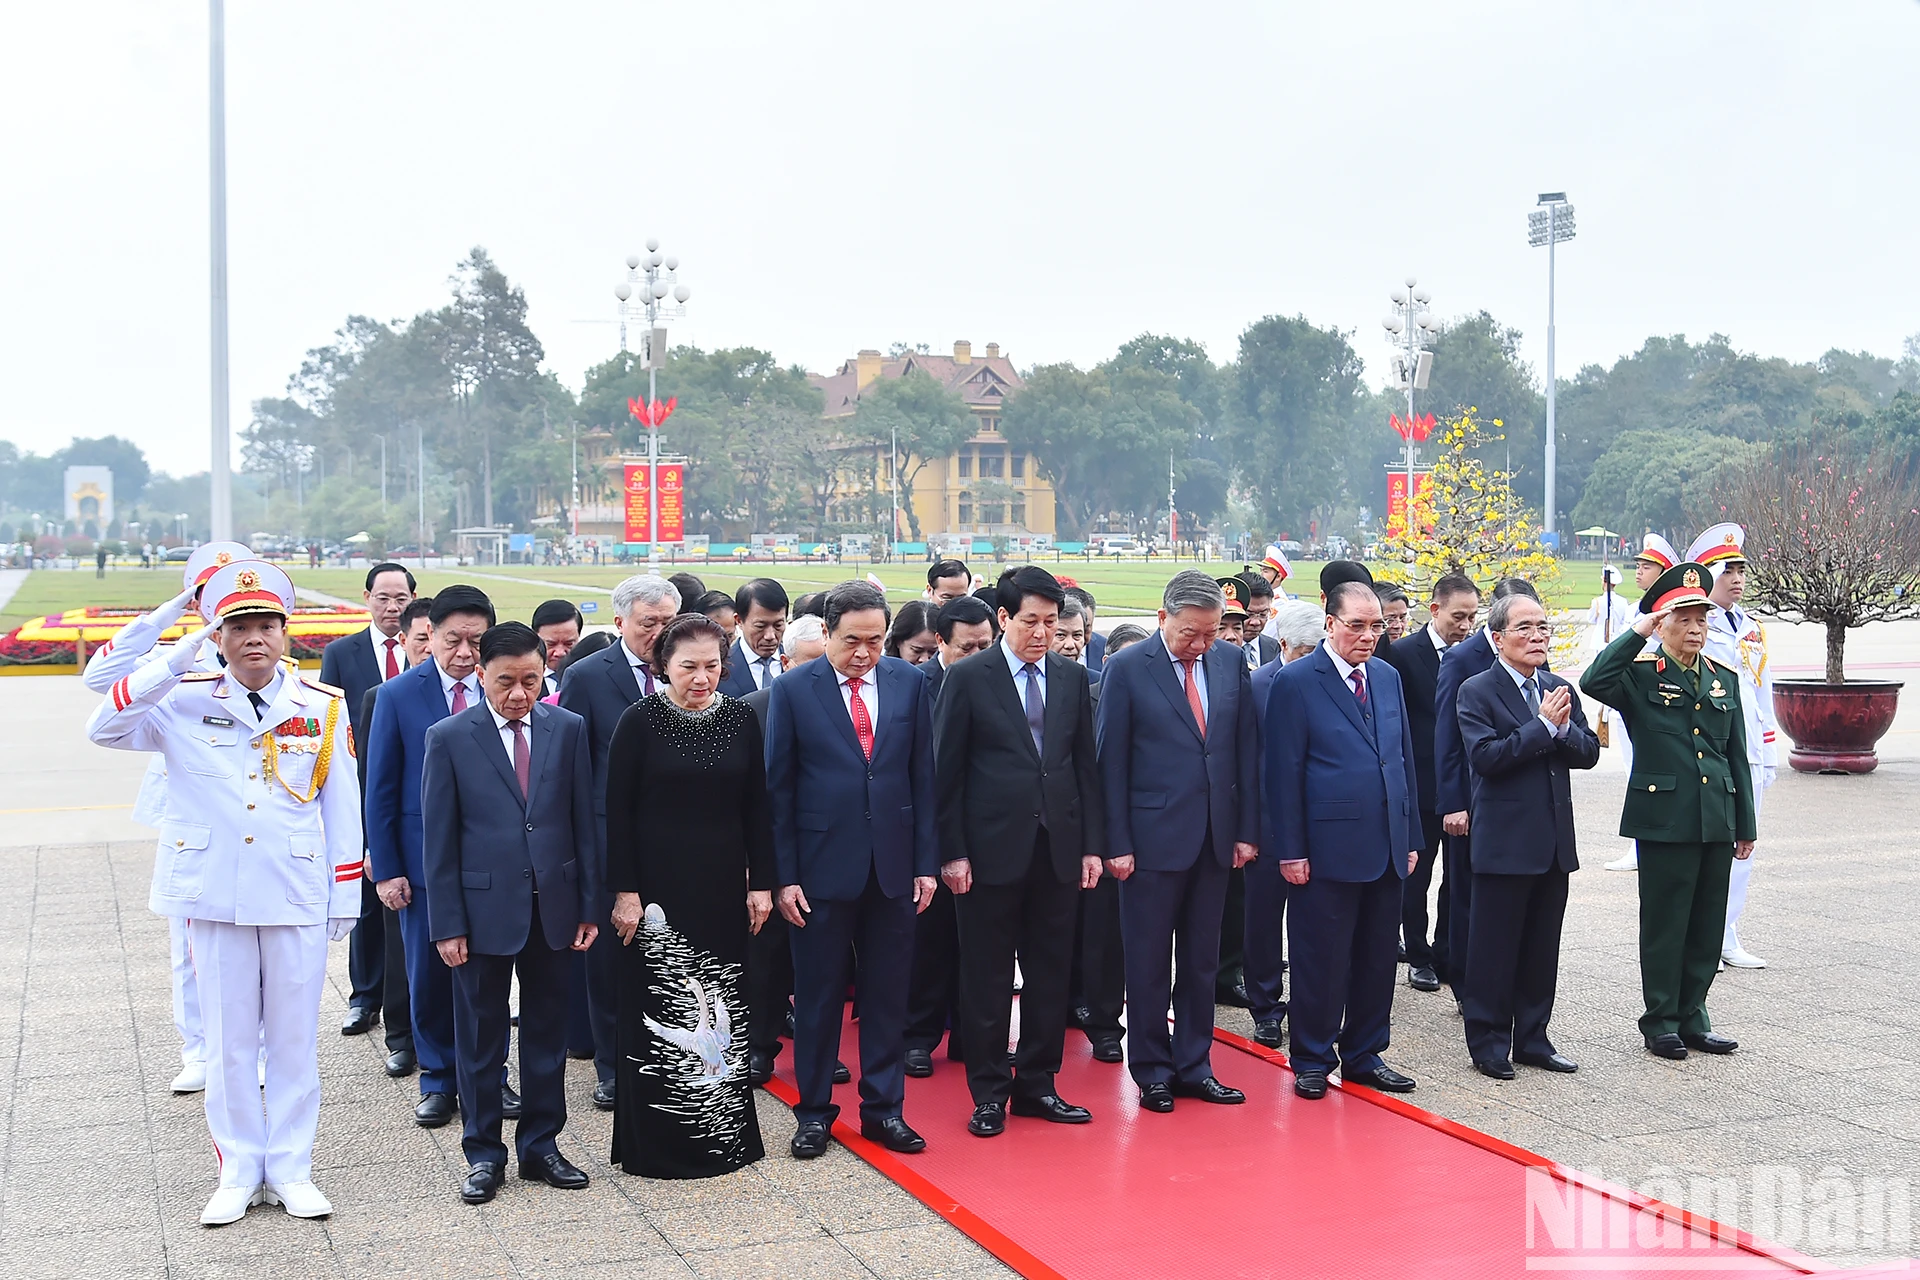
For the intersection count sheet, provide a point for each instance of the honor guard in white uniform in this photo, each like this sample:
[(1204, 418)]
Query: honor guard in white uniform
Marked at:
[(260, 852), (1655, 557), (1736, 641), (136, 643), (1276, 569)]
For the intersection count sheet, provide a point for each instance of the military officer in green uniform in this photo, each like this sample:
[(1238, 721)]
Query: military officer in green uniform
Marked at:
[(1689, 801)]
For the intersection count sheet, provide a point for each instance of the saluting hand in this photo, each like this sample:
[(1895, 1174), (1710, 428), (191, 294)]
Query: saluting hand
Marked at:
[(1647, 623)]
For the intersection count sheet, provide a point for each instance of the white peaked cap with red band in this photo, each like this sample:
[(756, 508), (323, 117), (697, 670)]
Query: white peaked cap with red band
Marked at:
[(1276, 560), (1657, 550), (247, 586), (210, 556), (1720, 546)]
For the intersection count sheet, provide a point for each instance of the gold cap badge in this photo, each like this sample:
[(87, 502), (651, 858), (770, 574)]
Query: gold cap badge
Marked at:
[(1691, 578), (246, 580)]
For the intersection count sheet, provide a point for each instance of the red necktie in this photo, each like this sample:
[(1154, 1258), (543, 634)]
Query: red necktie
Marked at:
[(393, 663), (862, 723), (522, 758), (459, 697), (1193, 695), (1359, 686)]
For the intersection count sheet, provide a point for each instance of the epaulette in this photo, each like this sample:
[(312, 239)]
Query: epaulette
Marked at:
[(201, 675), (330, 690), (1705, 660), (1645, 655)]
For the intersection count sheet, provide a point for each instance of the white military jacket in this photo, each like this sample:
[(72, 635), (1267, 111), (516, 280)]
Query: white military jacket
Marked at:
[(262, 821), (1739, 643)]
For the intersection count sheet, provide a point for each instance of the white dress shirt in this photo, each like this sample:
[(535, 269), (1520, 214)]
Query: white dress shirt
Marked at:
[(380, 642), (1016, 663), (1520, 679), (1200, 678), (501, 723), (471, 683), (869, 694), (641, 672), (1346, 669), (763, 670), (1439, 646)]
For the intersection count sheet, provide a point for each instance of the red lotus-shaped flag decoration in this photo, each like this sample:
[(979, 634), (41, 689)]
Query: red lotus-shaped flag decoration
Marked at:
[(651, 415), (1415, 428)]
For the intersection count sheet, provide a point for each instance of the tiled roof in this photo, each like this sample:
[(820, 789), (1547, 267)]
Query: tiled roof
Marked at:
[(984, 382)]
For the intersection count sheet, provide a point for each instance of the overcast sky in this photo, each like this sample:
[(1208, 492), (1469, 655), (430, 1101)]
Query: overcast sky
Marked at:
[(1053, 177)]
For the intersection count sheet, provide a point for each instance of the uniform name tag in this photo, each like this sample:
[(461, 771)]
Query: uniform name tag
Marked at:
[(218, 722)]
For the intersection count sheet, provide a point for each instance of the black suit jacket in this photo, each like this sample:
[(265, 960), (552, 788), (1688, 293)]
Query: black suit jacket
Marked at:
[(352, 665), (1522, 808), (1418, 663), (489, 849), (758, 700), (599, 688), (995, 790), (936, 676), (739, 679)]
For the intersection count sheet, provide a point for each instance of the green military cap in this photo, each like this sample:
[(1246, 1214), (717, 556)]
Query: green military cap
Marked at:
[(1235, 591), (1682, 585)]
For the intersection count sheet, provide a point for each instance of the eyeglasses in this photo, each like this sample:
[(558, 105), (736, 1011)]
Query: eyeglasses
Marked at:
[(1530, 629), (1362, 628)]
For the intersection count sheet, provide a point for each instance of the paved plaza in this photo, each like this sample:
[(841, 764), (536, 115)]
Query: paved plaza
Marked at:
[(103, 1172)]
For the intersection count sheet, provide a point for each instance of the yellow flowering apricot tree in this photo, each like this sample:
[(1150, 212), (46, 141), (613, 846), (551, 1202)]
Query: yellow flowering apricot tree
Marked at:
[(1467, 520)]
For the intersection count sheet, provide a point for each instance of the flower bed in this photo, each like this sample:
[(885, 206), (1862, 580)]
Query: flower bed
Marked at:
[(55, 640)]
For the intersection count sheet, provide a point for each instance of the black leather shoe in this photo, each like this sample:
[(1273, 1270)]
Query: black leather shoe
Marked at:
[(435, 1109), (1107, 1049), (483, 1179), (1209, 1090), (894, 1134), (555, 1170), (1710, 1042), (1547, 1062), (1235, 995), (1051, 1107), (989, 1120), (603, 1096), (509, 1103), (759, 1066), (1402, 956), (1667, 1046), (840, 1073), (809, 1141), (1383, 1078), (580, 1055), (401, 1062), (1497, 1068), (1267, 1032), (1423, 979), (1156, 1097), (918, 1063), (1311, 1085), (360, 1019)]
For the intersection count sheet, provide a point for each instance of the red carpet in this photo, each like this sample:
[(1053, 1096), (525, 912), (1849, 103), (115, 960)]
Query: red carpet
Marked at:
[(1360, 1184)]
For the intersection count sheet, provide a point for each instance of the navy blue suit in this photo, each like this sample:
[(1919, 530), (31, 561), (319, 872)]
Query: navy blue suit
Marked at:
[(1177, 802), (407, 707), (1452, 792), (514, 875), (1418, 663), (1266, 915), (853, 833), (1522, 816), (1341, 793), (739, 679), (1096, 653), (352, 665)]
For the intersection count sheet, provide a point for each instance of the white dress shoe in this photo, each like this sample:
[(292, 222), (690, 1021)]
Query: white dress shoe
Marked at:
[(1741, 958), (1631, 862), (300, 1199), (192, 1079), (230, 1204)]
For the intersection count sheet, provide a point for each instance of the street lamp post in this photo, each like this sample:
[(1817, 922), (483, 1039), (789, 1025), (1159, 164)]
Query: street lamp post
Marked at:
[(1410, 328), (653, 277), (1549, 225), (220, 467)]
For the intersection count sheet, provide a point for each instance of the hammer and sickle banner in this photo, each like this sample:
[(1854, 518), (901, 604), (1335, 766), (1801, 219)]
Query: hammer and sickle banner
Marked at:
[(673, 512)]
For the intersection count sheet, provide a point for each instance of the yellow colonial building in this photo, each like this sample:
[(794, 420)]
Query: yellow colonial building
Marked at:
[(987, 487)]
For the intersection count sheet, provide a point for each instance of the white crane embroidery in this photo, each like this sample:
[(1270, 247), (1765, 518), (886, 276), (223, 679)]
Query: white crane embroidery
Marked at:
[(708, 1041)]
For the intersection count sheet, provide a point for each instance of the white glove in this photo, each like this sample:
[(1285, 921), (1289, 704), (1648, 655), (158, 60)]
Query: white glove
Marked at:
[(1766, 777), (186, 650), (338, 928)]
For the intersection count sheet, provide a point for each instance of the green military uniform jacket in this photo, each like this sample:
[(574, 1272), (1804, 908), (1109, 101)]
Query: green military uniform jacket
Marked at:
[(1690, 782)]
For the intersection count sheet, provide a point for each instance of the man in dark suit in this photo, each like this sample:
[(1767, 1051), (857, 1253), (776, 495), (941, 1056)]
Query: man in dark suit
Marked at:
[(1020, 837), (1178, 767), (1260, 647), (769, 954), (1451, 786), (850, 778), (762, 608), (558, 623), (933, 998), (1524, 732), (1266, 910), (1451, 610), (1093, 655), (355, 664), (510, 863), (599, 688), (396, 827), (1340, 793)]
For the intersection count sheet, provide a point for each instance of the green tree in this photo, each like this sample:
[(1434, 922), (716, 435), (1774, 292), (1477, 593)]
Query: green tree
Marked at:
[(1291, 404), (1477, 365), (931, 422), (1648, 480)]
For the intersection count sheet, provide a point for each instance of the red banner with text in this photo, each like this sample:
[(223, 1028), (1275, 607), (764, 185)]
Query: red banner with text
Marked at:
[(673, 512), (1397, 498)]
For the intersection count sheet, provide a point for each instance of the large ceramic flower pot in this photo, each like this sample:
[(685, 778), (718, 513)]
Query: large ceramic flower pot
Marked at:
[(1834, 726)]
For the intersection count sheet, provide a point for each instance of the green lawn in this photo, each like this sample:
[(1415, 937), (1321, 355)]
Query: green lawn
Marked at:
[(1128, 587)]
